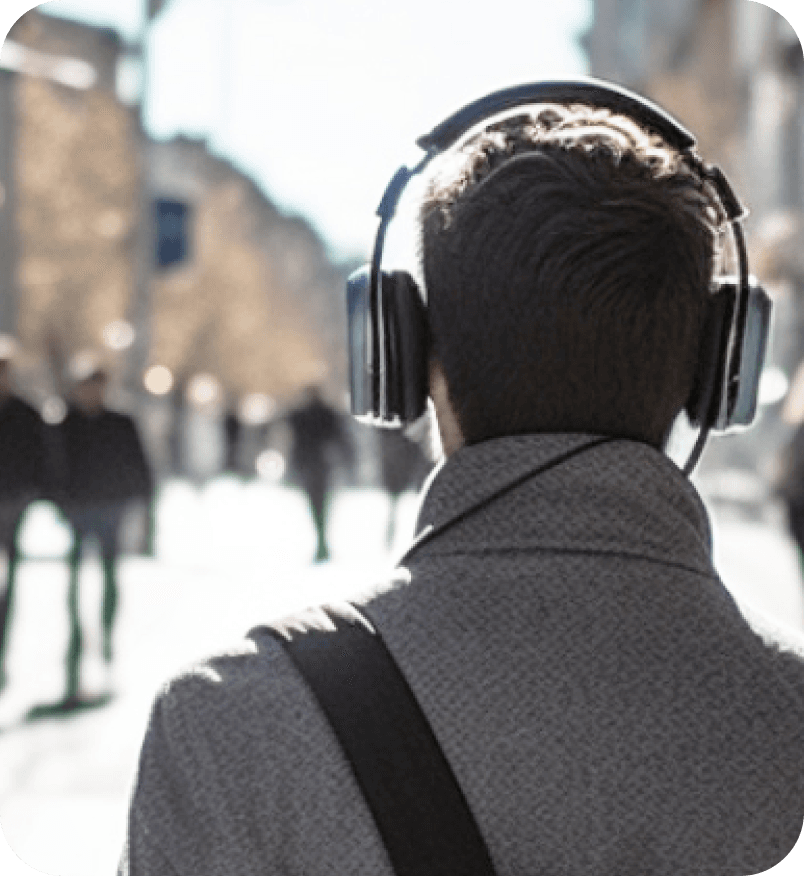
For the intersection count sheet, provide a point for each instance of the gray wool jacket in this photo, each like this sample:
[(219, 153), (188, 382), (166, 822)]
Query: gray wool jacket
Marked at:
[(606, 706)]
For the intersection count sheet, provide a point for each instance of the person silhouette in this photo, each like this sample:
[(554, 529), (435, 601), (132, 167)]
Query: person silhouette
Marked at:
[(23, 478), (320, 443), (403, 467), (104, 467)]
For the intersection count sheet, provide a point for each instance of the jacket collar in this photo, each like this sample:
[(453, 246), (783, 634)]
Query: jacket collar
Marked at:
[(568, 492)]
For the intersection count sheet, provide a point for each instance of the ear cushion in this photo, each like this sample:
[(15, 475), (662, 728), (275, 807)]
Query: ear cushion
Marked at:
[(709, 390), (405, 348), (363, 352), (751, 336)]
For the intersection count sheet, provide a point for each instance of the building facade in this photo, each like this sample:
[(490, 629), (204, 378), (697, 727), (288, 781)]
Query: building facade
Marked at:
[(239, 290), (159, 259), (75, 172)]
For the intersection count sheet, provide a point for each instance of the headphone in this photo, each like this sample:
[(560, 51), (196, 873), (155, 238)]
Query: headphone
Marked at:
[(387, 315)]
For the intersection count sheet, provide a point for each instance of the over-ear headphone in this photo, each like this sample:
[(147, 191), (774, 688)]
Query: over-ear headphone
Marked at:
[(387, 316)]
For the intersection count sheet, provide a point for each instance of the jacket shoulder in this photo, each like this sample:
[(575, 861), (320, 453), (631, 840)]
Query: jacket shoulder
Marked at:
[(783, 645), (237, 754), (259, 667), (216, 691)]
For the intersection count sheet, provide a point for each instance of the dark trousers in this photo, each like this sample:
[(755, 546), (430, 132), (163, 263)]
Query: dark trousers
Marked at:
[(319, 494), (11, 513), (795, 522), (102, 521)]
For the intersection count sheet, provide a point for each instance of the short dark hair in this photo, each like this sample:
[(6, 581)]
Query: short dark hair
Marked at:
[(567, 256)]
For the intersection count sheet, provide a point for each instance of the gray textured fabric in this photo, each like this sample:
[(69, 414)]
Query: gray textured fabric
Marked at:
[(604, 703)]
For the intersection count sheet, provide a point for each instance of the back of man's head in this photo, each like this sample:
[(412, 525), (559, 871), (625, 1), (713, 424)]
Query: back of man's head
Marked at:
[(568, 257)]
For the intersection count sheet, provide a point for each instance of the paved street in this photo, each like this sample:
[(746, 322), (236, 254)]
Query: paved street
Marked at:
[(229, 557)]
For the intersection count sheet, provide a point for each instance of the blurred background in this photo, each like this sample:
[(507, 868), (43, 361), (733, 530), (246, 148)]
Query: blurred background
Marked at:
[(184, 187)]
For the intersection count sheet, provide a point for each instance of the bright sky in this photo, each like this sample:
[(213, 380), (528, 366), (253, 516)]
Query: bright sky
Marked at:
[(321, 100)]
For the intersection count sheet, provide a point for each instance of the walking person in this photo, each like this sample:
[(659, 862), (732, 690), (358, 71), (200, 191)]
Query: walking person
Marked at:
[(320, 446), (104, 469), (23, 478), (403, 468), (789, 487)]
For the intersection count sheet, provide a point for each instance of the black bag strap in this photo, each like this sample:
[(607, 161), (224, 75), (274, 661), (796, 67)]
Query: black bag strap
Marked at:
[(417, 804)]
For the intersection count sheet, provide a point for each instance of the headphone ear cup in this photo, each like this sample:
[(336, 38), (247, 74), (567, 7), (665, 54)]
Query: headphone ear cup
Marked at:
[(404, 367), (751, 343), (364, 344), (709, 390)]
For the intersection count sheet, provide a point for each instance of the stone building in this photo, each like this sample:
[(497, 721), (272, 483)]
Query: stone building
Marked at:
[(245, 308), (75, 172), (161, 260), (254, 299), (731, 71)]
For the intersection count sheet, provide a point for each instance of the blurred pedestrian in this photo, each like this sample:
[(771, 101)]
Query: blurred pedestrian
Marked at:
[(104, 469), (176, 431), (320, 445), (233, 435), (22, 479), (790, 488), (403, 468)]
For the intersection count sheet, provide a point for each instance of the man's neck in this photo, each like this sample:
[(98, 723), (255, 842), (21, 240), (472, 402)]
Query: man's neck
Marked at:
[(448, 428)]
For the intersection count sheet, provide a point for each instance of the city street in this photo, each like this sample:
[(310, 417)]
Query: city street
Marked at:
[(175, 244), (229, 557)]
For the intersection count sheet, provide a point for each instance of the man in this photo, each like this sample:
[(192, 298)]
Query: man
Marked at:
[(403, 467), (23, 477), (319, 444), (790, 487), (104, 469), (604, 704)]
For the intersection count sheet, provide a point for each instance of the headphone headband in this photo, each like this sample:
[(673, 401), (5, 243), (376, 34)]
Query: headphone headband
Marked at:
[(590, 92), (388, 326)]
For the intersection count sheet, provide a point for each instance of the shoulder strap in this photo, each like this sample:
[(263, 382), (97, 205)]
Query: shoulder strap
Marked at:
[(417, 804)]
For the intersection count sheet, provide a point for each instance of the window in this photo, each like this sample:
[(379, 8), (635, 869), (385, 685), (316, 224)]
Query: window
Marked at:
[(172, 232)]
